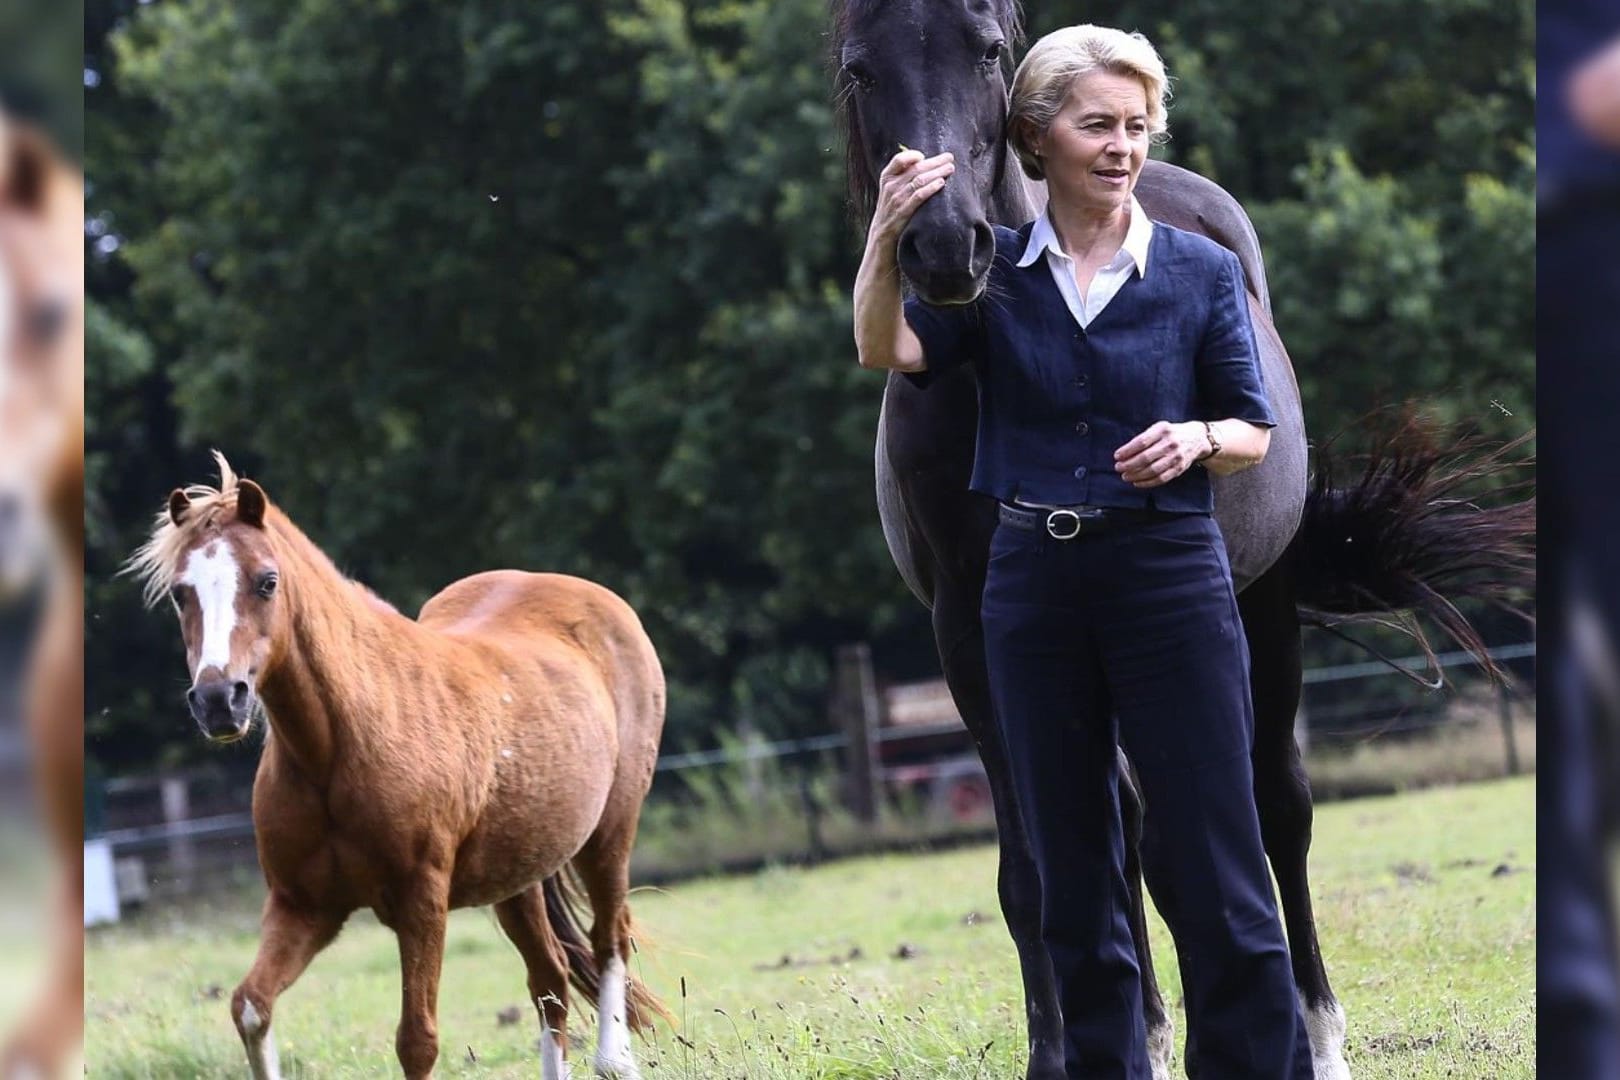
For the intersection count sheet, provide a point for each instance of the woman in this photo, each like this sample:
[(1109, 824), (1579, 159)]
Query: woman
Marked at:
[(1117, 369)]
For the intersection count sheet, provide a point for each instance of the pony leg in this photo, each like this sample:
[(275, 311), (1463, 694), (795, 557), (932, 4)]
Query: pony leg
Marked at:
[(289, 938), (1282, 793), (1160, 1031), (961, 650), (419, 924), (523, 917), (604, 866)]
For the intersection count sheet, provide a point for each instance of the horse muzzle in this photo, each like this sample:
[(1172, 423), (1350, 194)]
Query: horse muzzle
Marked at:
[(222, 708), (946, 261)]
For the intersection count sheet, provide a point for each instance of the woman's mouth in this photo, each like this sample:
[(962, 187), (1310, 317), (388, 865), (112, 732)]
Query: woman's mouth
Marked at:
[(1112, 176)]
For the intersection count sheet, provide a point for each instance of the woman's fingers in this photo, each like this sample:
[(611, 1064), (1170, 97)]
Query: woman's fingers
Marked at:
[(909, 180), (908, 159)]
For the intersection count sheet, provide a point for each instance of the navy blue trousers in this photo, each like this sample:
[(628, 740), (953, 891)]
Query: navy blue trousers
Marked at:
[(1132, 637)]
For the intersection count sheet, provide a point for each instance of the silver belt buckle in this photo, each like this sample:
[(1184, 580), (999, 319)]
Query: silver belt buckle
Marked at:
[(1054, 521)]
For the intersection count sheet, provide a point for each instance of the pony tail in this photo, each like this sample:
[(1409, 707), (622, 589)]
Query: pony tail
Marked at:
[(1407, 535), (565, 900)]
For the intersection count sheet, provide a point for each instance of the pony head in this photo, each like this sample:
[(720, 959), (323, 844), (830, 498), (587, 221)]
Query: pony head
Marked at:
[(930, 75), (41, 353), (212, 555)]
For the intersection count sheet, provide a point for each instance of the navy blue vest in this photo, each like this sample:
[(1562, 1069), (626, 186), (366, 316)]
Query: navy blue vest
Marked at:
[(1056, 401)]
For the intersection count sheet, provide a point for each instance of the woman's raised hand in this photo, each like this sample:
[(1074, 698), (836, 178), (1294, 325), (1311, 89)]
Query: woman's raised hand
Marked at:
[(907, 181)]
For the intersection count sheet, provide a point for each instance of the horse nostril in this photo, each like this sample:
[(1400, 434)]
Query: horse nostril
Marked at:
[(239, 693), (907, 252), (46, 320), (192, 698), (984, 248)]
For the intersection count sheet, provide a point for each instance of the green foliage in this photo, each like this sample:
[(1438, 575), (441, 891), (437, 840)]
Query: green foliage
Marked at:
[(566, 286)]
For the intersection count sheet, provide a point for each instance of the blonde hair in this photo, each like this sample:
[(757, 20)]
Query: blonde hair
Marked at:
[(157, 562), (1049, 71)]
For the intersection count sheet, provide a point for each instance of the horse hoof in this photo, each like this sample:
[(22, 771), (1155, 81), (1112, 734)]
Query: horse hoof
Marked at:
[(1161, 1042), (1325, 1024)]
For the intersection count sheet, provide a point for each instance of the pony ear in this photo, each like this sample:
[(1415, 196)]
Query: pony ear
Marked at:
[(22, 175), (250, 503), (179, 506)]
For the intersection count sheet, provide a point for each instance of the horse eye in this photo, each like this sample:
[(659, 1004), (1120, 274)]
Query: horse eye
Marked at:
[(266, 586), (859, 76), (992, 55)]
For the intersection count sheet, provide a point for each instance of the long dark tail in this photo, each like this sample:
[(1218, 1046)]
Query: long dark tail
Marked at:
[(565, 901), (1407, 538)]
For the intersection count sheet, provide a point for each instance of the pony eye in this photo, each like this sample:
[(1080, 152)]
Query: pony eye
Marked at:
[(859, 76), (266, 586), (992, 55)]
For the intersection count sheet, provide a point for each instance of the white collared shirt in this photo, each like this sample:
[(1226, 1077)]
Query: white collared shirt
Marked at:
[(1106, 283)]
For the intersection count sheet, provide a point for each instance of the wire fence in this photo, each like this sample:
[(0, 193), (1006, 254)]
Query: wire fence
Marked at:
[(800, 797)]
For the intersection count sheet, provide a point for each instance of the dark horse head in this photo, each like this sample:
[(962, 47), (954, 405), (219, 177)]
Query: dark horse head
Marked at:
[(931, 75)]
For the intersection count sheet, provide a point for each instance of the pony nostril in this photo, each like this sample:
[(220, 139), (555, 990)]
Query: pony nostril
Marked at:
[(239, 693), (193, 698)]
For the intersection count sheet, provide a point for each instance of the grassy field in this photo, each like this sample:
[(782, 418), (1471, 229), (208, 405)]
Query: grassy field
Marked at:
[(886, 967)]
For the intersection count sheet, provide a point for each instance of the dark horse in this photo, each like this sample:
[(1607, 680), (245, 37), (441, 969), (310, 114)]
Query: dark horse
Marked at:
[(933, 75)]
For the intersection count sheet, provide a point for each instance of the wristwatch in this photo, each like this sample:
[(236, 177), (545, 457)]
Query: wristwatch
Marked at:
[(1214, 443)]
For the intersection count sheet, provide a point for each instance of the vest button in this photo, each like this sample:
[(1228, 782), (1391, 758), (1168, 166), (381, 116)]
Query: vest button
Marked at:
[(1080, 473), (1082, 428)]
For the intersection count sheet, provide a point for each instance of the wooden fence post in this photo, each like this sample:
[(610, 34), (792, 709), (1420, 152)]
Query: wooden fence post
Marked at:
[(1505, 706), (858, 714), (176, 796)]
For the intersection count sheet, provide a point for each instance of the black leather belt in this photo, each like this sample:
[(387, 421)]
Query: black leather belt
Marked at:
[(1068, 522)]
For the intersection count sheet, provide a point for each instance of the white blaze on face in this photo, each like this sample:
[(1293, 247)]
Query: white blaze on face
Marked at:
[(212, 573), (8, 310), (613, 1057)]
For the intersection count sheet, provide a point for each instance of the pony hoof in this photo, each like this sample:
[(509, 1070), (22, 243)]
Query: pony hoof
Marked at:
[(621, 1069), (1160, 1044)]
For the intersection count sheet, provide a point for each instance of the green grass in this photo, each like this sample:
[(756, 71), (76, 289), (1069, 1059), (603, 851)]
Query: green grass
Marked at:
[(794, 973)]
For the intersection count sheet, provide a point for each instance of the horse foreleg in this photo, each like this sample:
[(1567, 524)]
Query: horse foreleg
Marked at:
[(419, 923), (961, 649), (523, 917), (1160, 1031), (1282, 792), (289, 938)]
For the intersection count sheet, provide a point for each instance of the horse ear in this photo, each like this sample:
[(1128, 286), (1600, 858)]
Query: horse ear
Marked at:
[(250, 503), (179, 506)]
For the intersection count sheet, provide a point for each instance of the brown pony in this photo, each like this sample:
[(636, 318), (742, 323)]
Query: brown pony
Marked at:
[(488, 753), (42, 538)]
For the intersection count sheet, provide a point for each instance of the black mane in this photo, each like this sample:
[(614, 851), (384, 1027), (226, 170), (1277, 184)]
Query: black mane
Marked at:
[(844, 15)]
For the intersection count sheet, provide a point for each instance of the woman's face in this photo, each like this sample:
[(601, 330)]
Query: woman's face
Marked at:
[(1094, 150)]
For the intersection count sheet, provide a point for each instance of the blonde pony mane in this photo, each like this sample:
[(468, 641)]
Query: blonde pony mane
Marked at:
[(157, 562)]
